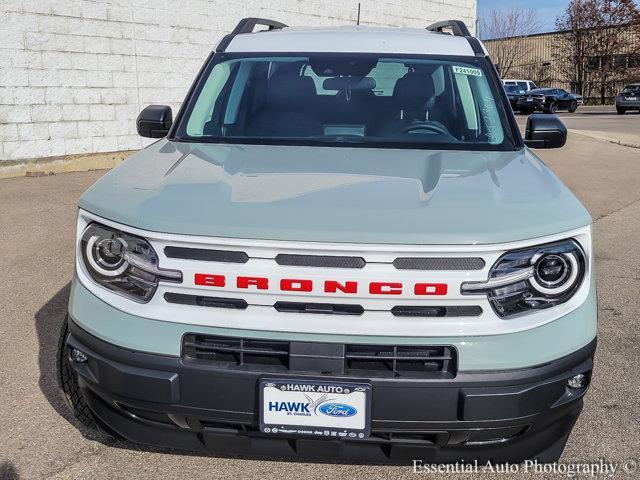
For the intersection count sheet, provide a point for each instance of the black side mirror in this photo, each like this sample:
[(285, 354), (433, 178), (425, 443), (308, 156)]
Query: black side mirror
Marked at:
[(545, 131), (154, 121)]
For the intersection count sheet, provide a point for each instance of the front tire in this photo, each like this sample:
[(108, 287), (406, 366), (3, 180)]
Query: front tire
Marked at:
[(69, 383), (552, 108), (573, 107), (620, 110)]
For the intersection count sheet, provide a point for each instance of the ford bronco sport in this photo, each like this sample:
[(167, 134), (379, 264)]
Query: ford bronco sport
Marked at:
[(342, 247)]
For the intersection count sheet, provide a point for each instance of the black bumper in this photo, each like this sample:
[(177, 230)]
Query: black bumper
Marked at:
[(498, 416)]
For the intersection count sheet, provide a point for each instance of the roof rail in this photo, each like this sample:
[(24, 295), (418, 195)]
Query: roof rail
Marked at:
[(246, 25), (458, 28)]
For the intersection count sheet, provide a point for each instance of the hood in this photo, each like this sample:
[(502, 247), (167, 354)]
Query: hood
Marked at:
[(355, 195)]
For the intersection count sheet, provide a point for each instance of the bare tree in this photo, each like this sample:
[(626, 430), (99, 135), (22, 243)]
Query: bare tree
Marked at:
[(510, 25), (570, 49), (595, 35), (610, 42)]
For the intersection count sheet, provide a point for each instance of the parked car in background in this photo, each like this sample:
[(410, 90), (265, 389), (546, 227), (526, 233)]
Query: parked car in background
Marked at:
[(526, 84), (548, 100), (514, 93), (629, 99)]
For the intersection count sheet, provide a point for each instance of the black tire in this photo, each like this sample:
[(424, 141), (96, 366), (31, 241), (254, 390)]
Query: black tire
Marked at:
[(573, 107), (620, 110), (552, 108), (69, 383)]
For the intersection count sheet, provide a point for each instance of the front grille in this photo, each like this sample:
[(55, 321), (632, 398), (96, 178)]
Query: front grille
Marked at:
[(327, 261), (206, 301), (435, 311), (355, 360), (206, 255), (325, 308), (320, 261), (438, 263)]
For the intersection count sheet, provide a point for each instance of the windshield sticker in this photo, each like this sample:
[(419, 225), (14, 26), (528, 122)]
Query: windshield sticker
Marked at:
[(476, 72)]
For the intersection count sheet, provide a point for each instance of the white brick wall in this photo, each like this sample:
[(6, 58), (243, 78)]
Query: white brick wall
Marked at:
[(75, 73)]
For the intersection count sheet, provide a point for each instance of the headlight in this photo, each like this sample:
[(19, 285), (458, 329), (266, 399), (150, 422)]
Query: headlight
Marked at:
[(532, 278), (124, 263)]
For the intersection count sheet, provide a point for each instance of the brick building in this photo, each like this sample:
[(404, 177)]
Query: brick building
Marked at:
[(538, 59), (75, 73)]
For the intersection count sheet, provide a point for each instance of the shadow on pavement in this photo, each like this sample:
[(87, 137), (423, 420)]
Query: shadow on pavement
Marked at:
[(8, 471), (49, 320)]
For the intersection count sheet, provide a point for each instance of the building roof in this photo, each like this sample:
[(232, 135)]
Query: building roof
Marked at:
[(351, 39)]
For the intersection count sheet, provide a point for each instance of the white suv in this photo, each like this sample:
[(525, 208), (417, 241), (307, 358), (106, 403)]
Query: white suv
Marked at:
[(526, 84), (342, 247)]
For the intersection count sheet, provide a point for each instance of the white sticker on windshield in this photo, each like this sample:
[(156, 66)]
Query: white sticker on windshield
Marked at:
[(476, 72)]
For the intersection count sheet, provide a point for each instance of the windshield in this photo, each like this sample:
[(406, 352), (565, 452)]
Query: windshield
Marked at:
[(631, 89), (357, 99), (514, 89)]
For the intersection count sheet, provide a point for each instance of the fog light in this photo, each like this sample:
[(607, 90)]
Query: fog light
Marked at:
[(78, 357), (577, 381)]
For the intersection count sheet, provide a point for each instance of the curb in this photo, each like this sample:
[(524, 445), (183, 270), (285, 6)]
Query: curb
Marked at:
[(69, 163), (605, 138)]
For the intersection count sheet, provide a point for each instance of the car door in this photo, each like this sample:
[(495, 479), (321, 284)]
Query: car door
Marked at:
[(564, 98)]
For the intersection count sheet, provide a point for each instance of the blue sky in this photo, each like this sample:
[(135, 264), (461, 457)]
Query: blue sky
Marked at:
[(547, 10)]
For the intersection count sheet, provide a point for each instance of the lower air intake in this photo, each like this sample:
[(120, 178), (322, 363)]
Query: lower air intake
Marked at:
[(401, 361), (318, 358)]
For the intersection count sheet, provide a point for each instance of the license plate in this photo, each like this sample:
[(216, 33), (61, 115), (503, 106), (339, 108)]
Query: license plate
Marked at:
[(632, 98), (315, 408)]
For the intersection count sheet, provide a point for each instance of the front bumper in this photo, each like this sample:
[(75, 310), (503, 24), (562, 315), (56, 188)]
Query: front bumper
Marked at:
[(501, 416), (536, 104)]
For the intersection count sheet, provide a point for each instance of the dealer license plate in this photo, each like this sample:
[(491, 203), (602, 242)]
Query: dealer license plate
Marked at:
[(632, 98), (316, 408)]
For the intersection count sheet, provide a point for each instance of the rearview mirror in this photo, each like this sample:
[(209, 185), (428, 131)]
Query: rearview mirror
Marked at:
[(545, 131), (154, 121)]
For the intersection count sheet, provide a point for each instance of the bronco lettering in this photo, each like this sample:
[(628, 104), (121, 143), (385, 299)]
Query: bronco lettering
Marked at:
[(329, 286)]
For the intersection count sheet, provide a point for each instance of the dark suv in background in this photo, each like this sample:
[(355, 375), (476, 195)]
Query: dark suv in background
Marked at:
[(514, 94), (548, 100), (629, 99)]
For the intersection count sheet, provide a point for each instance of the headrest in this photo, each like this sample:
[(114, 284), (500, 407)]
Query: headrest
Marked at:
[(413, 91), (287, 90), (344, 83)]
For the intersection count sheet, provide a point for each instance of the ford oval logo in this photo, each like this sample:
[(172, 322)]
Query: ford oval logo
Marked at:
[(338, 410)]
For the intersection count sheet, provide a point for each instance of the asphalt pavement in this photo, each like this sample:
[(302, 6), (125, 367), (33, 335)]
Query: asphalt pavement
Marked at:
[(601, 122), (40, 439)]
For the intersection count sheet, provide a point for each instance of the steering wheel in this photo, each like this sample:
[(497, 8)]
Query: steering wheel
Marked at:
[(429, 126)]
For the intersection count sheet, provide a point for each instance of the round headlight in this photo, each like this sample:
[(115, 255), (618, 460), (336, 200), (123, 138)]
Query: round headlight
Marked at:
[(554, 273), (106, 255), (533, 278), (552, 270), (122, 262)]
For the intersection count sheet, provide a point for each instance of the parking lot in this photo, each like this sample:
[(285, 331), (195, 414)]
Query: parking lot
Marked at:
[(602, 122), (39, 438)]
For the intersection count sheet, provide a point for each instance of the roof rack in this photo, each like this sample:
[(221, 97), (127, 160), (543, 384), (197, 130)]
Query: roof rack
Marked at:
[(246, 25), (458, 28)]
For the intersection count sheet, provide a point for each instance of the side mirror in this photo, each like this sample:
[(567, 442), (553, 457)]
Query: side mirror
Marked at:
[(545, 131), (154, 121)]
